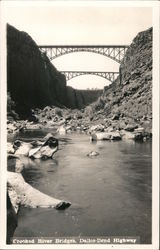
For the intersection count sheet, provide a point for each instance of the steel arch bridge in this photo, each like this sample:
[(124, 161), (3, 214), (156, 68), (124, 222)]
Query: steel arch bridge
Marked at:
[(111, 76), (114, 52)]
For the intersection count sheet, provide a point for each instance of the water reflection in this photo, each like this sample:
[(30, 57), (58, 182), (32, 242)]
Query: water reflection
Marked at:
[(110, 194)]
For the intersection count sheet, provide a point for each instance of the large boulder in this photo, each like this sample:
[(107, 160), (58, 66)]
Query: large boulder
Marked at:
[(21, 193), (139, 130), (115, 136), (21, 147), (36, 149), (32, 126), (46, 150), (138, 134), (61, 130), (131, 127), (126, 135), (11, 127), (98, 127), (10, 148), (106, 136)]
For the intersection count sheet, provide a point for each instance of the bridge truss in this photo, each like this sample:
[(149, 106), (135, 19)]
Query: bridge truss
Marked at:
[(114, 52), (111, 76)]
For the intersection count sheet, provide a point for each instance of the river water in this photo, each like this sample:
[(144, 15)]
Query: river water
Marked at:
[(110, 193)]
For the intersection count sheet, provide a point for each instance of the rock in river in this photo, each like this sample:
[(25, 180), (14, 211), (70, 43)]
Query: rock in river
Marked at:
[(21, 193), (22, 148), (46, 150), (92, 153), (61, 130), (106, 136), (36, 149), (127, 135)]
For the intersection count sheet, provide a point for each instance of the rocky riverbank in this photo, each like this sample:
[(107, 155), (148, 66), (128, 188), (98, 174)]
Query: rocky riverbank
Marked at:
[(64, 121), (19, 192)]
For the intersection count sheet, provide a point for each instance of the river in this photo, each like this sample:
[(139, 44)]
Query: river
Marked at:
[(110, 193)]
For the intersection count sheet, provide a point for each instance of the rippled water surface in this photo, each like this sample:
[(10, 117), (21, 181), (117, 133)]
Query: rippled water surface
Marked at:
[(110, 193)]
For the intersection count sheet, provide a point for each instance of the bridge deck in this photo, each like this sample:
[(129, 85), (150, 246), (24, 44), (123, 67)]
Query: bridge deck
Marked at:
[(86, 72), (83, 46)]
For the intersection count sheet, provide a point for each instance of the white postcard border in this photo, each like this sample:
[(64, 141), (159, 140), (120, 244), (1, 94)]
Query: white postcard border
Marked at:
[(155, 150)]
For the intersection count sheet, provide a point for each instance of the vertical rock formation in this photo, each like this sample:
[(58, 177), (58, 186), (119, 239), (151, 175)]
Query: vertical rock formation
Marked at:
[(81, 98), (132, 99), (33, 81)]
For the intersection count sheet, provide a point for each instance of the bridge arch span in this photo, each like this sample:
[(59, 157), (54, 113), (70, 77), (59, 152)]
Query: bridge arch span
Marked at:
[(115, 53), (110, 76)]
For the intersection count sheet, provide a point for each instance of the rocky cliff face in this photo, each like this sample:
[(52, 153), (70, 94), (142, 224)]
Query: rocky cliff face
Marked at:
[(33, 81), (131, 101), (81, 98)]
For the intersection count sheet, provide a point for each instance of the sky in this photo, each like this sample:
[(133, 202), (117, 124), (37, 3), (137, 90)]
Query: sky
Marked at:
[(71, 24)]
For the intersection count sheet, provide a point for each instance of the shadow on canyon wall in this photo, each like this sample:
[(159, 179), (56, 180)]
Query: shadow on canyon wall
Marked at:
[(33, 81)]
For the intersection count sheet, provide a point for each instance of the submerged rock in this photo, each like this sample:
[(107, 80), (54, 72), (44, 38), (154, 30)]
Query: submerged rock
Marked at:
[(93, 153)]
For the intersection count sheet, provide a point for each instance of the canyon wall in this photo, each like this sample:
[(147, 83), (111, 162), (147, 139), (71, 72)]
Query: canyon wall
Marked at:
[(33, 81), (132, 99)]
